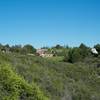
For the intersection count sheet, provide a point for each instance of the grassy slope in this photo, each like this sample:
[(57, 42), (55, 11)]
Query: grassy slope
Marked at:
[(58, 80)]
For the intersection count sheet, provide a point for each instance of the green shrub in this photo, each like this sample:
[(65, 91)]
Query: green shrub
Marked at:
[(14, 87)]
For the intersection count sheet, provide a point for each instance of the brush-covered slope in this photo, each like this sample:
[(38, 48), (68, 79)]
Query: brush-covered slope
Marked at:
[(14, 87), (57, 80)]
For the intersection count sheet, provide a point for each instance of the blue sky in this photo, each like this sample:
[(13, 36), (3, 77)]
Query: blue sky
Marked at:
[(50, 22)]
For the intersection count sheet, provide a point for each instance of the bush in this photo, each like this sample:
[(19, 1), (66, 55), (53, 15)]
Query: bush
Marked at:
[(14, 87), (29, 49), (74, 55)]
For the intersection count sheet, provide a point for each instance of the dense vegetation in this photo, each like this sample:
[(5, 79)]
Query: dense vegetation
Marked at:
[(72, 74), (14, 87)]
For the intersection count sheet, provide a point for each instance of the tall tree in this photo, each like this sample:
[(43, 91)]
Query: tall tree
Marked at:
[(29, 48), (84, 50)]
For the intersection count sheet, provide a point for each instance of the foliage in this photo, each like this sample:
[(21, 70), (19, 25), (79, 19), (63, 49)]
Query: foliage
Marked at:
[(14, 87), (29, 49), (25, 77), (16, 48), (74, 55), (58, 46), (84, 50), (77, 54)]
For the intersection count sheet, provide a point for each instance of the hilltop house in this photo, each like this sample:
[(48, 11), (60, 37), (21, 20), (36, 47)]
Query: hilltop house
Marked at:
[(43, 53), (94, 51)]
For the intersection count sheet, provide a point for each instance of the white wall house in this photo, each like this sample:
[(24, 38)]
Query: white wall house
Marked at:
[(94, 51)]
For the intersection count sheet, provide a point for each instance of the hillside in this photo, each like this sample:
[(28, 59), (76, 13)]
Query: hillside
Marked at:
[(24, 77)]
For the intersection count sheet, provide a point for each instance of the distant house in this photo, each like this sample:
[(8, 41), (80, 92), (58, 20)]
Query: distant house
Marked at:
[(94, 51), (43, 53)]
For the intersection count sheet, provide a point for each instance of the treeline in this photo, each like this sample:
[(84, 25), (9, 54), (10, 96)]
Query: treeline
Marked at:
[(70, 54), (76, 54), (18, 49)]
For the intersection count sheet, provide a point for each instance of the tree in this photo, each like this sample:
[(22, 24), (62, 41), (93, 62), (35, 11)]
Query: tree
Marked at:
[(45, 47), (58, 46), (16, 48), (74, 55), (7, 46), (29, 49), (84, 50), (1, 46)]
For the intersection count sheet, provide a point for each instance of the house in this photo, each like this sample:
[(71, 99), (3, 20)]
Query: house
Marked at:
[(44, 53), (40, 52), (94, 51)]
